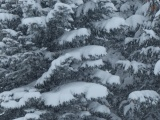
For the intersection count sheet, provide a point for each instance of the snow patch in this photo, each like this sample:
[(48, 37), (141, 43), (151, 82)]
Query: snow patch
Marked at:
[(144, 9), (147, 35), (3, 11), (10, 31), (157, 14), (97, 107), (136, 66), (65, 93), (78, 53), (125, 7), (109, 5), (144, 96), (151, 50), (18, 97), (84, 114), (128, 40), (106, 77), (2, 45), (157, 68), (110, 24), (7, 16), (33, 115), (84, 8), (135, 20), (71, 35), (34, 20), (57, 7)]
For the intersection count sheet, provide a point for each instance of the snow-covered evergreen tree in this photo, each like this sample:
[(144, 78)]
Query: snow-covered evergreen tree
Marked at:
[(79, 59)]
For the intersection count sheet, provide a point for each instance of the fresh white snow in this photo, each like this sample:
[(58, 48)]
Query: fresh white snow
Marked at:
[(69, 36), (78, 53), (147, 35), (125, 7), (149, 49), (31, 115), (7, 16), (10, 31), (135, 20), (84, 114), (110, 24), (57, 7), (18, 97), (143, 10), (65, 93), (84, 8), (97, 107), (2, 44), (157, 68), (106, 77), (144, 96), (3, 11), (34, 20), (110, 5), (157, 14)]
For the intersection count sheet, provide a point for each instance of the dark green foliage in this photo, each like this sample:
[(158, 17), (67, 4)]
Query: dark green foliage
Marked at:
[(29, 54)]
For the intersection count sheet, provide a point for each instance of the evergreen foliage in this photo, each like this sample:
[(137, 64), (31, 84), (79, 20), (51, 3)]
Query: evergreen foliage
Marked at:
[(79, 59)]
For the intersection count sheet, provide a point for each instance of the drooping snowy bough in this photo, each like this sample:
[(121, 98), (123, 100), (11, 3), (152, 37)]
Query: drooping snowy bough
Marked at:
[(69, 36), (18, 97), (86, 52), (136, 98), (65, 93)]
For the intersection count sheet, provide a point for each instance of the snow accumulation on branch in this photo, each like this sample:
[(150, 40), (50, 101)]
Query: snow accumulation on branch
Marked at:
[(157, 68), (78, 53), (3, 11), (150, 49), (18, 97), (125, 7), (135, 20), (97, 107), (144, 9), (110, 6), (32, 114), (43, 19), (92, 5), (57, 7), (157, 14), (69, 36), (65, 93), (110, 24), (106, 77), (84, 8), (10, 31), (59, 4), (146, 35), (38, 20), (8, 17), (144, 96), (136, 66)]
